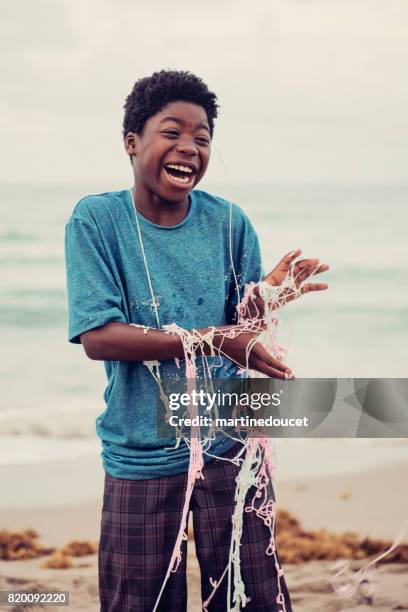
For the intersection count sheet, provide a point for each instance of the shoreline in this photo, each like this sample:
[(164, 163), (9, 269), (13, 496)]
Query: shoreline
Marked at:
[(371, 503), (56, 483), (341, 499)]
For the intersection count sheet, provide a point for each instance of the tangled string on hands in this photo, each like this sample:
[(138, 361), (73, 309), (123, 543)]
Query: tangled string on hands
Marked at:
[(252, 344)]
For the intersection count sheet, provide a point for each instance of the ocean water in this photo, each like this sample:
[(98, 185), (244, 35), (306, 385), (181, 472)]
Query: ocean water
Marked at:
[(51, 393)]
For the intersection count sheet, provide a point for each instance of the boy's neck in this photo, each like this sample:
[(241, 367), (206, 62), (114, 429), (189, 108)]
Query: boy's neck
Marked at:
[(159, 211)]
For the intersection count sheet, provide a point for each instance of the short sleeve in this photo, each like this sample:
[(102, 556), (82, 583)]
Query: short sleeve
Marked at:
[(247, 262), (94, 299)]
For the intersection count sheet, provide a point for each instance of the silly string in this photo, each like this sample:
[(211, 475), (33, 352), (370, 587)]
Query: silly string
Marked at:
[(256, 469)]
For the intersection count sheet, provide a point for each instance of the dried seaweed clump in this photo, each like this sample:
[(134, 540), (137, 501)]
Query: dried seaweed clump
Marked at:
[(18, 545), (78, 548), (63, 557), (58, 561), (295, 545), (15, 545)]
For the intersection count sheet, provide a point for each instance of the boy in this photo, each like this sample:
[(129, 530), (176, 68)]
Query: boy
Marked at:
[(152, 256)]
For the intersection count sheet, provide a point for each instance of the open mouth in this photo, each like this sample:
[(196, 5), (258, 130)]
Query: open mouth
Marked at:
[(178, 173)]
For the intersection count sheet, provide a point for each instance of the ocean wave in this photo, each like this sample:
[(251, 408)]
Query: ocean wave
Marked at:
[(28, 450), (25, 307), (62, 424), (367, 274), (348, 309), (18, 236), (33, 316), (23, 293), (31, 260)]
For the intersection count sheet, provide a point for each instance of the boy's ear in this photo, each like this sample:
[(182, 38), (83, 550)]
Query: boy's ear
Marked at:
[(131, 143)]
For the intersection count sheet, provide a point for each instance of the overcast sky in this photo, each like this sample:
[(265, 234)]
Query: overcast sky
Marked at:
[(309, 89)]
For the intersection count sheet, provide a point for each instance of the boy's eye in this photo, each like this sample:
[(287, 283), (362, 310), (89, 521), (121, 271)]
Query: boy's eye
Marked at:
[(202, 141)]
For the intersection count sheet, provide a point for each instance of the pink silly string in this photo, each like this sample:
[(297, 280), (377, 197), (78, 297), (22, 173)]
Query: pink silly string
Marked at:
[(194, 471), (196, 463), (191, 343), (265, 508), (256, 471), (364, 580), (262, 471), (265, 323), (255, 464)]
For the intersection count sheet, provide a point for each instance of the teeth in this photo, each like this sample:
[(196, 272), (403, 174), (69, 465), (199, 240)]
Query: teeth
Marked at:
[(181, 168), (185, 179)]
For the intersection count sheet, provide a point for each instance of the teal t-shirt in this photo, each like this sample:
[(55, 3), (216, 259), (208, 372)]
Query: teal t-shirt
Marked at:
[(192, 280)]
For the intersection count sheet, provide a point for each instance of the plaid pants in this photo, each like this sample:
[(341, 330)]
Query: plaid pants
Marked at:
[(140, 522)]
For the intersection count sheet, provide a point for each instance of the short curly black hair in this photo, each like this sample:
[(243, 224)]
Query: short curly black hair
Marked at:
[(150, 94)]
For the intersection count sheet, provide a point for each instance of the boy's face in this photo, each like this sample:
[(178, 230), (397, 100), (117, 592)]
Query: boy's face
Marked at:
[(171, 155)]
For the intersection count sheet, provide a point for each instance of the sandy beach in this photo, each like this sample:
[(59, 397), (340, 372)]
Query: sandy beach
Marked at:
[(372, 503), (293, 118)]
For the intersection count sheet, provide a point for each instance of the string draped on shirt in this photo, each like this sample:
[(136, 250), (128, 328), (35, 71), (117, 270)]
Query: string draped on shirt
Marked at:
[(256, 468), (254, 458)]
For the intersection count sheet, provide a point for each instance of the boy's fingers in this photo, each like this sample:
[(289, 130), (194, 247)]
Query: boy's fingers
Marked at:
[(319, 270), (314, 287), (259, 303), (289, 257), (253, 309), (312, 271), (284, 264), (292, 295), (261, 366), (289, 298), (313, 268), (306, 263), (272, 373), (262, 353)]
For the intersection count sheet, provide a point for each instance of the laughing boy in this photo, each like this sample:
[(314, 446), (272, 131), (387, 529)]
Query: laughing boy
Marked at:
[(156, 254)]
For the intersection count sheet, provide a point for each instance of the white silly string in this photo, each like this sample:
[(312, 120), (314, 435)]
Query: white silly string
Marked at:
[(256, 468)]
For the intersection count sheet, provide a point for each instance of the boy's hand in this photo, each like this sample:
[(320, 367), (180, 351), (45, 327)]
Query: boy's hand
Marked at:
[(300, 270), (237, 349)]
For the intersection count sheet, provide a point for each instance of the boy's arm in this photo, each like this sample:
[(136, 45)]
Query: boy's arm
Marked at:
[(123, 342), (97, 318)]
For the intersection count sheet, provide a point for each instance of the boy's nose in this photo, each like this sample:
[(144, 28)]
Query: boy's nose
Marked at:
[(190, 148)]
